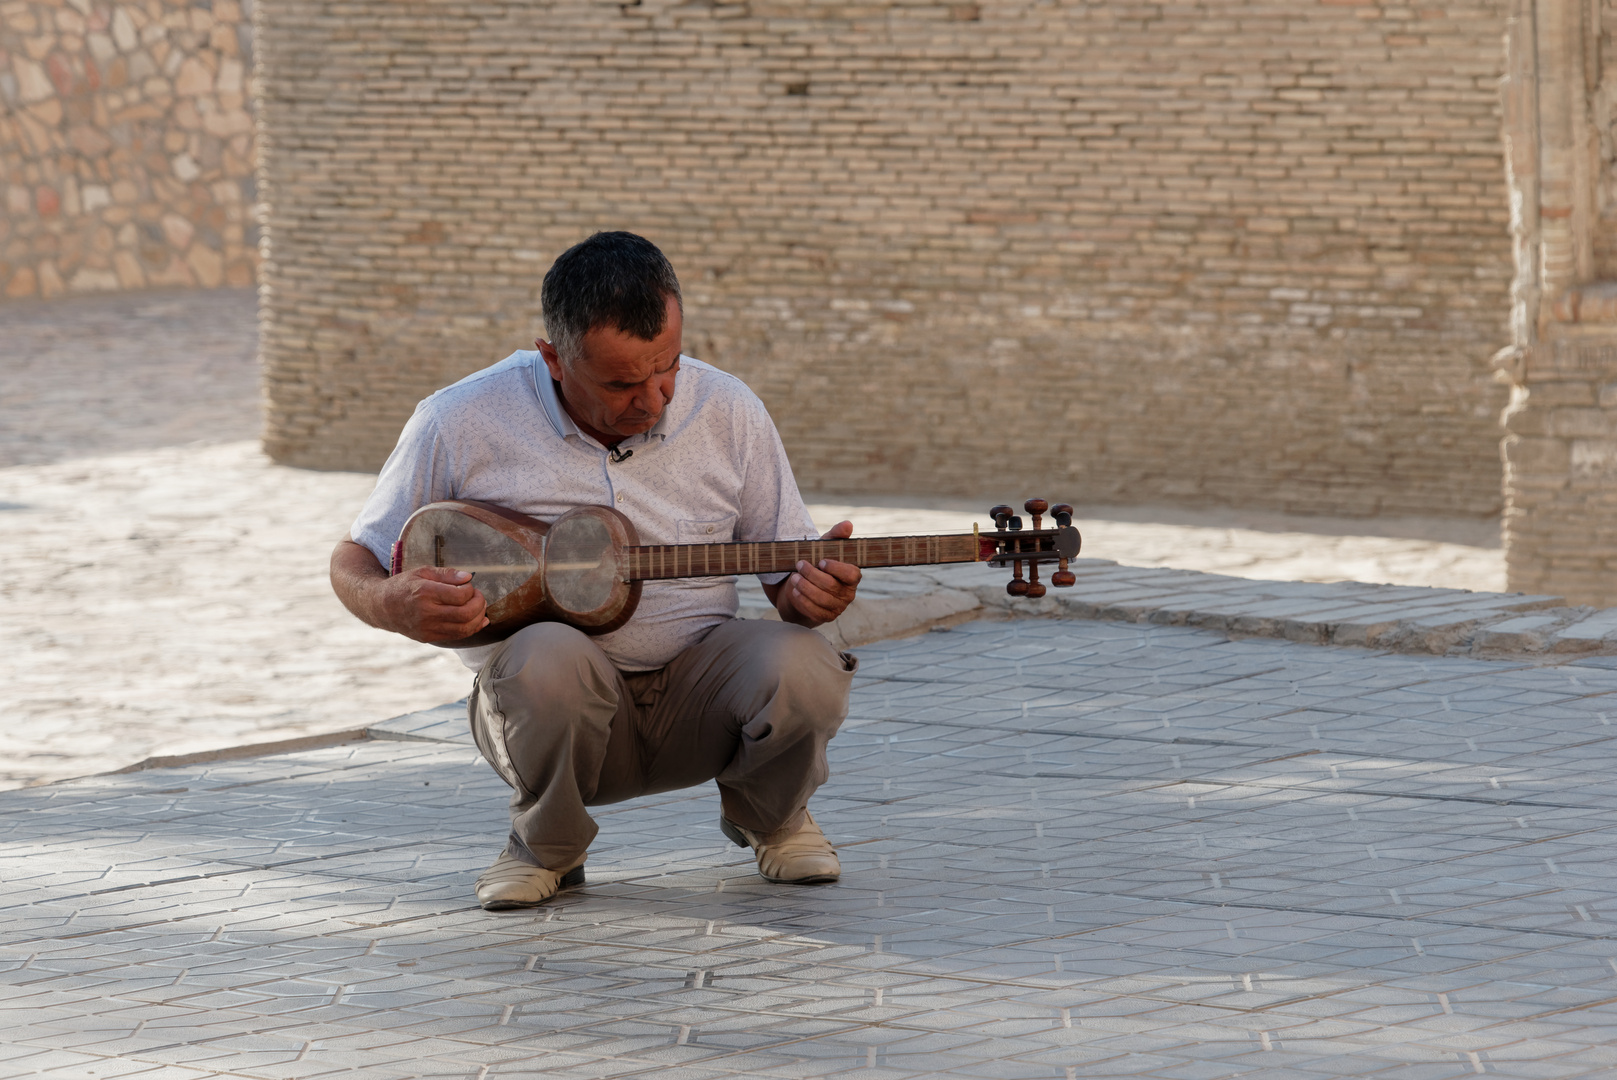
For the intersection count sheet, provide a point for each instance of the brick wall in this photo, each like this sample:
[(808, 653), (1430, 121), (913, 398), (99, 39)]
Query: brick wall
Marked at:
[(126, 145), (1242, 251)]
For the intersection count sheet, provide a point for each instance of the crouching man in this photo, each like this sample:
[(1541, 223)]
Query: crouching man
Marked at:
[(608, 411)]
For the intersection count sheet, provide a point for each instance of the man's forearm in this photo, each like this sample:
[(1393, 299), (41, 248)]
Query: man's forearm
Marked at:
[(355, 575)]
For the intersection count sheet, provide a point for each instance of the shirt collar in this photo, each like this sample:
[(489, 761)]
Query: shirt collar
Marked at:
[(544, 388), (550, 401)]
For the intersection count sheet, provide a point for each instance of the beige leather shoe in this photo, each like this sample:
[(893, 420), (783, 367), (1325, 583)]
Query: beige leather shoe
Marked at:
[(512, 883), (804, 857)]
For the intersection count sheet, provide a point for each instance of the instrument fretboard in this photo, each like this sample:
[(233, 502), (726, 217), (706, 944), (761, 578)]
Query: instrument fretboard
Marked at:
[(652, 561)]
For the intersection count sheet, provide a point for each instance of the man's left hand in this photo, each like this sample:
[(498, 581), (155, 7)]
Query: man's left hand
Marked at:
[(815, 595)]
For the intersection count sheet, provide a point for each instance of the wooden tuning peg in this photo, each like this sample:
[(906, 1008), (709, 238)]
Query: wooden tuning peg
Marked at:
[(1063, 578), (1036, 507), (1035, 588), (1001, 515), (1016, 586)]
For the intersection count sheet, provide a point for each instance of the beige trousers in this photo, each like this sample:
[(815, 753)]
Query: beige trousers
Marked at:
[(752, 705)]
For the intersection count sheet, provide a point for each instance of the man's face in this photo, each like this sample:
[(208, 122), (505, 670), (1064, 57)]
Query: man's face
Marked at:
[(619, 384)]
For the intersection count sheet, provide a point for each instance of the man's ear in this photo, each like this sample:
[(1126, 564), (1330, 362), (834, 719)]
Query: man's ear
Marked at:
[(552, 358)]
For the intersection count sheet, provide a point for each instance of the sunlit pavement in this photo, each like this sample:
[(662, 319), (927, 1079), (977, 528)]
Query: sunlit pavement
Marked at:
[(166, 583), (1070, 849)]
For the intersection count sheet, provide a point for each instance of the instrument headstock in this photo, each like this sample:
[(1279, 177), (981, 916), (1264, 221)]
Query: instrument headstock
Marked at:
[(1026, 548)]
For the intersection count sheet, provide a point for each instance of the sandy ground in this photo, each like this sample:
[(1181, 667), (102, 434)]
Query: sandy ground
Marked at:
[(168, 590)]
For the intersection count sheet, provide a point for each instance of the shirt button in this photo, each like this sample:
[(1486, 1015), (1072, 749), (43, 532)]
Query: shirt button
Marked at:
[(620, 498), (710, 529)]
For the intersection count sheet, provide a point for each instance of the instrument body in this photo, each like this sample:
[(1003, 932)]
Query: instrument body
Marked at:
[(571, 570), (586, 567)]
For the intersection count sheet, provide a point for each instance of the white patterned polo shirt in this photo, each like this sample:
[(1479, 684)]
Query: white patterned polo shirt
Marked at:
[(712, 469)]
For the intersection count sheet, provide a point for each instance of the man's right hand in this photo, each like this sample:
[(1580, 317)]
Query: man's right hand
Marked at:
[(432, 604), (427, 604)]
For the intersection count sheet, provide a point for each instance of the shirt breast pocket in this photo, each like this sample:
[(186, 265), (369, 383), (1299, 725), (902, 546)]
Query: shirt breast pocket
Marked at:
[(708, 531)]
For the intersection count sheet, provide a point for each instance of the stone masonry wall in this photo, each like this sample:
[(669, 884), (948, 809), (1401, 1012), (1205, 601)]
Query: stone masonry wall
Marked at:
[(126, 145), (1241, 251), (1560, 445)]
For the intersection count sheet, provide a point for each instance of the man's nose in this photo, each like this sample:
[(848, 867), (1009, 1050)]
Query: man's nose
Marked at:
[(650, 399)]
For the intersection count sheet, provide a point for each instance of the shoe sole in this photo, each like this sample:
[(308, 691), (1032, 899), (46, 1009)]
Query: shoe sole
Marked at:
[(733, 833), (570, 880), (735, 836)]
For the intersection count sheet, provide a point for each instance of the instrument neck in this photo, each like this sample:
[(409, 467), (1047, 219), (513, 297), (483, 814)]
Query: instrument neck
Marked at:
[(653, 561)]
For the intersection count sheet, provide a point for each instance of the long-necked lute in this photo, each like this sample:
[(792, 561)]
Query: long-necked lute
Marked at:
[(586, 567)]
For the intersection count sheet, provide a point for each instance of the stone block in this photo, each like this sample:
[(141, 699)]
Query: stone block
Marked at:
[(178, 231), (193, 78), (1528, 633), (23, 282), (878, 619), (1593, 459), (32, 82), (1545, 456), (1582, 424), (123, 28), (1596, 627)]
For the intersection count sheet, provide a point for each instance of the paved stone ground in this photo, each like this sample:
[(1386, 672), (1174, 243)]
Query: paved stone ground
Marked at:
[(1071, 849), (167, 587), (113, 372), (175, 599)]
